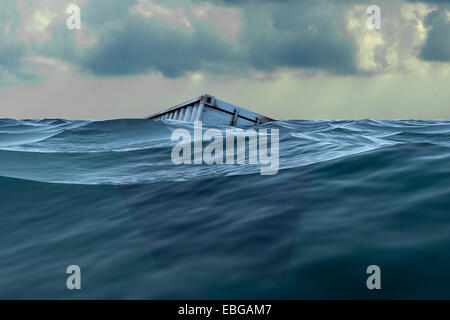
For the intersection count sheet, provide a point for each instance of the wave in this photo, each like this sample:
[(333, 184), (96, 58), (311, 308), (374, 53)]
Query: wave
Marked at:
[(134, 150), (105, 195)]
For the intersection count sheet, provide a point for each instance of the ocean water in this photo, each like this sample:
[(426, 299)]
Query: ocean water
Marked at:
[(105, 195)]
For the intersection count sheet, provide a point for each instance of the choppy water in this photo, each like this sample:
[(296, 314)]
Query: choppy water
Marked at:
[(105, 195)]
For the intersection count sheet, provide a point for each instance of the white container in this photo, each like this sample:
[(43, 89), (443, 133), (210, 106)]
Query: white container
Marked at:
[(208, 109)]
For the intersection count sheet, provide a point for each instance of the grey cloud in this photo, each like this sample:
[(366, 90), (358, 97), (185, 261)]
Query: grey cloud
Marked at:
[(431, 1), (12, 68), (298, 35), (143, 45), (99, 12), (273, 36), (12, 52), (288, 34), (437, 46)]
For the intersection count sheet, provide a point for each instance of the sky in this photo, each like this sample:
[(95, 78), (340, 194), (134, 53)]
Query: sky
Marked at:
[(286, 59)]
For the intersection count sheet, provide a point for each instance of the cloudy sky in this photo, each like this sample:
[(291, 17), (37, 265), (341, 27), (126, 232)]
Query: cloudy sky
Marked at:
[(288, 59)]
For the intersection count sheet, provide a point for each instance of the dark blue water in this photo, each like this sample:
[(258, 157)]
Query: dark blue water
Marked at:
[(106, 196)]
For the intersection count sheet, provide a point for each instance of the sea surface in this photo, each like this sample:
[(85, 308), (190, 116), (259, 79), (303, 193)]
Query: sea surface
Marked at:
[(106, 196)]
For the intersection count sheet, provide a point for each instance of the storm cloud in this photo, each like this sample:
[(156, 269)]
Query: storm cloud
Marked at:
[(128, 37), (12, 51), (437, 46), (273, 36)]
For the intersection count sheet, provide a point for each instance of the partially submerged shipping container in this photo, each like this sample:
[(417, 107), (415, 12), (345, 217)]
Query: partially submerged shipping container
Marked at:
[(210, 110)]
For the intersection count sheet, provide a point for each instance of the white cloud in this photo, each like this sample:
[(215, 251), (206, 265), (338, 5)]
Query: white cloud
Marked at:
[(39, 16), (36, 23), (174, 16), (395, 48), (226, 20), (367, 41)]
